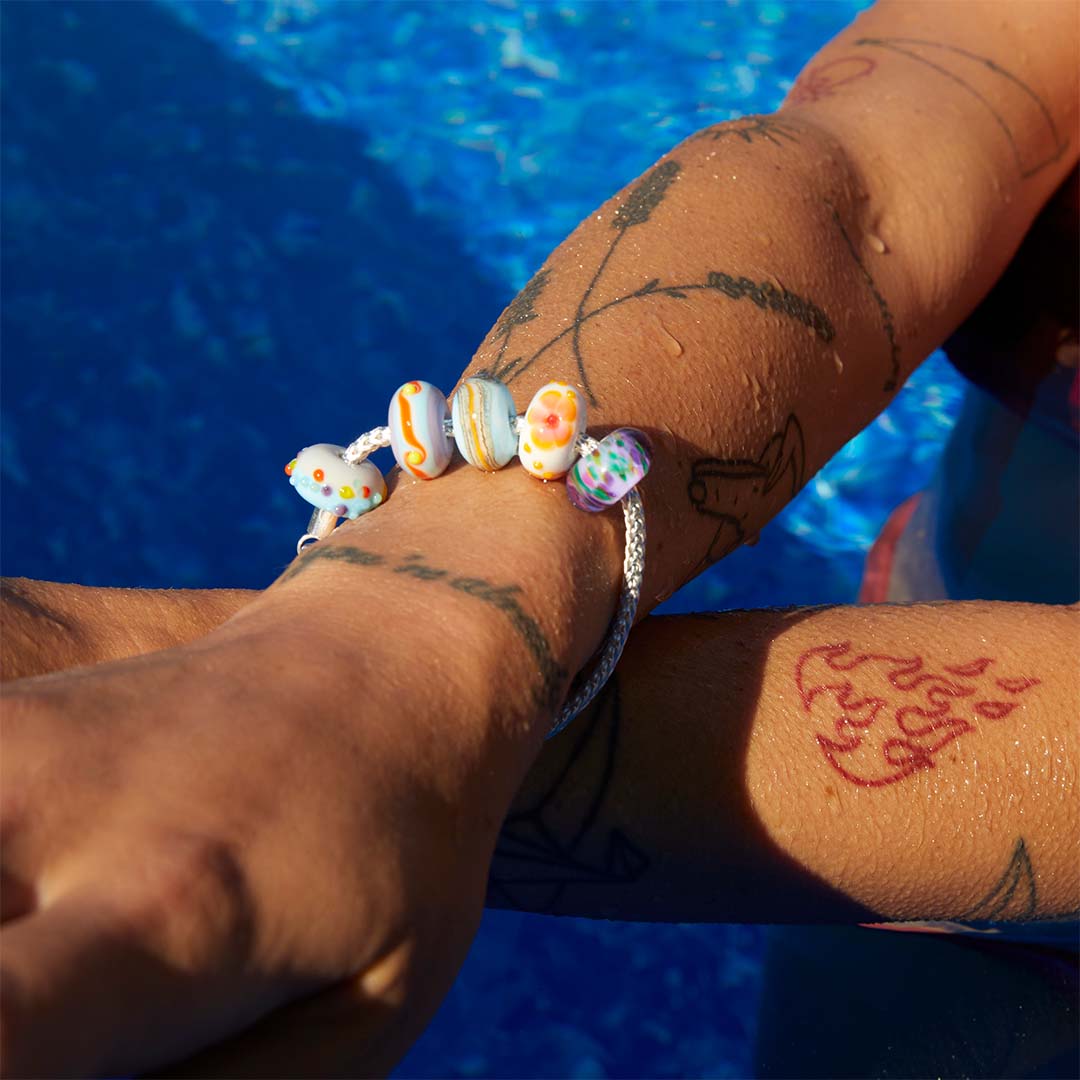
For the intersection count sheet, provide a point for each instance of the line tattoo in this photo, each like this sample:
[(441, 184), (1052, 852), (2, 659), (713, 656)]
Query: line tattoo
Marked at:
[(886, 315), (879, 719), (553, 675), (637, 209), (1015, 106), (12, 594), (718, 484), (751, 128), (763, 294), (520, 311), (535, 860), (822, 81), (643, 199), (1013, 896)]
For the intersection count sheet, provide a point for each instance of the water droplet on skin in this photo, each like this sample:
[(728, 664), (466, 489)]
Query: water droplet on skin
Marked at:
[(764, 239), (876, 243), (838, 363), (672, 345), (756, 387), (745, 379)]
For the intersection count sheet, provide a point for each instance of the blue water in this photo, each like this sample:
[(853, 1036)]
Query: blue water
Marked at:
[(231, 229)]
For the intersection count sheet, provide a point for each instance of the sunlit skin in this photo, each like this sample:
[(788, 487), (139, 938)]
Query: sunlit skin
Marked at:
[(158, 901)]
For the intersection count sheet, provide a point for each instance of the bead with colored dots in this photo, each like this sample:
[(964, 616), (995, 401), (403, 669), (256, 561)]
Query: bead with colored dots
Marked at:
[(484, 423), (547, 443), (417, 422), (322, 477), (600, 479)]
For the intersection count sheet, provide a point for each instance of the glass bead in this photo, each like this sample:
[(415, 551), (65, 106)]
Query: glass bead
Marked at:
[(484, 416), (417, 421), (555, 418), (600, 479)]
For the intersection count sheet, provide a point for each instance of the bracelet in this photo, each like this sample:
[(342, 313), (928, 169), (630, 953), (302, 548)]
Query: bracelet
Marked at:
[(549, 441)]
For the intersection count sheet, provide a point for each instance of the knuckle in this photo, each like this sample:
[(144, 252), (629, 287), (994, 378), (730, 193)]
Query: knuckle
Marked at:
[(193, 904)]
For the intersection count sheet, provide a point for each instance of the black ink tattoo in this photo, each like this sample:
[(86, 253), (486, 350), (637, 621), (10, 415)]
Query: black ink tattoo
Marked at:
[(718, 484), (767, 295), (553, 676), (336, 554), (886, 315), (749, 128), (12, 594), (535, 860), (763, 294), (645, 196), (642, 200), (520, 311), (1012, 103), (637, 209), (1013, 897)]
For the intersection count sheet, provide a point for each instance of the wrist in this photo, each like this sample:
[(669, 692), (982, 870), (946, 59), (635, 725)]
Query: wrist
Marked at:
[(484, 575)]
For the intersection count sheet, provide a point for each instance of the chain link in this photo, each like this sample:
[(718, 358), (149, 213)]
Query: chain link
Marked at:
[(622, 624)]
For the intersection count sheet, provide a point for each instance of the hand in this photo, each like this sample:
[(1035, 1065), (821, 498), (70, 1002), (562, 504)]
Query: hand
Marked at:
[(190, 843)]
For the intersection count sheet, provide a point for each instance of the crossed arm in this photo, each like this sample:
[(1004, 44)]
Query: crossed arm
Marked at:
[(751, 301), (803, 765)]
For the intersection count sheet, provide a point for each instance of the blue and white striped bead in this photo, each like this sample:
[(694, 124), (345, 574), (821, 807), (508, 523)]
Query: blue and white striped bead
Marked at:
[(484, 420)]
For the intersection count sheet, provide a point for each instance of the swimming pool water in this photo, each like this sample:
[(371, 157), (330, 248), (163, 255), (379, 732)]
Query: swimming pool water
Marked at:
[(229, 228)]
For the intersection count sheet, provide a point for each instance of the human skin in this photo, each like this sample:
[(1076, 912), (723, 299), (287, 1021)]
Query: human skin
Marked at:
[(714, 762), (803, 264), (819, 765)]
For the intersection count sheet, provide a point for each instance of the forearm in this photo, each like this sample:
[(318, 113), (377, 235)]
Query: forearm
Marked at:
[(724, 317), (47, 626), (961, 119), (828, 764), (750, 303)]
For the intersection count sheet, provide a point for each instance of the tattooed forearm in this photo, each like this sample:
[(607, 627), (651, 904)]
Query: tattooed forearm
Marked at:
[(718, 485), (763, 294), (643, 199), (553, 675), (1013, 104), (886, 315), (879, 719), (637, 209), (554, 842), (639, 205)]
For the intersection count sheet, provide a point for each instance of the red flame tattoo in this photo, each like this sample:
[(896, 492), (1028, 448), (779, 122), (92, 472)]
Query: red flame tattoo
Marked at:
[(822, 81), (880, 718)]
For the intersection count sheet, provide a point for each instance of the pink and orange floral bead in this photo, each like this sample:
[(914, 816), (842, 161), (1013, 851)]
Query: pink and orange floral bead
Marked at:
[(555, 418)]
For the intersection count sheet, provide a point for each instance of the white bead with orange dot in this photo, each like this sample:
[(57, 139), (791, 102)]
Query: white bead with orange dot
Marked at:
[(547, 441)]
